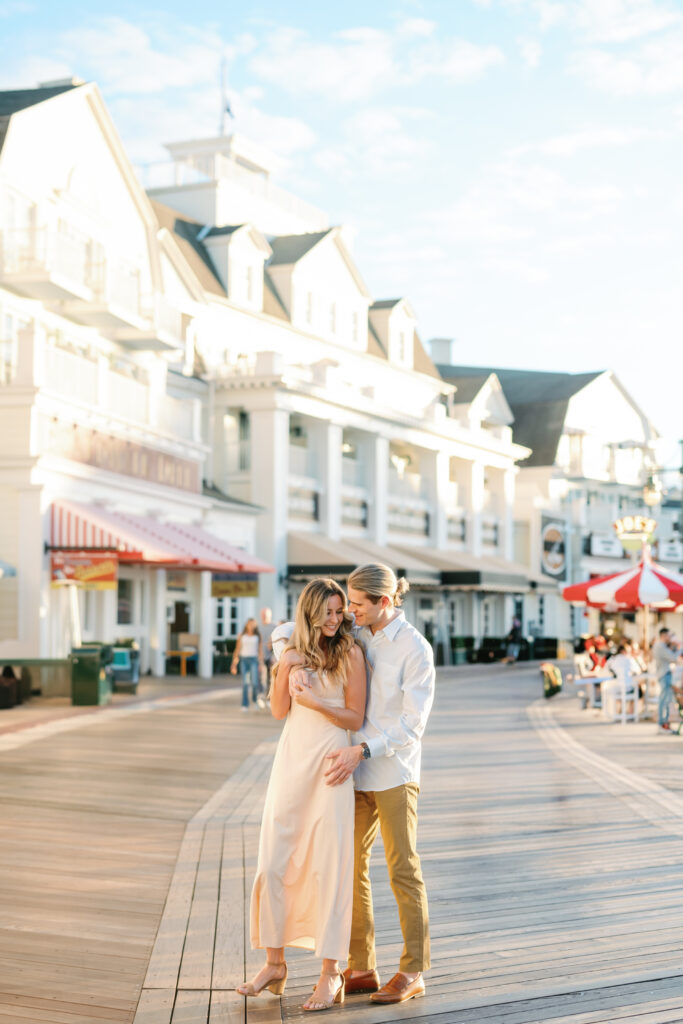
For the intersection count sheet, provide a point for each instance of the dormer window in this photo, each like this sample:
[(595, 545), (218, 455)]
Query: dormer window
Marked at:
[(402, 347)]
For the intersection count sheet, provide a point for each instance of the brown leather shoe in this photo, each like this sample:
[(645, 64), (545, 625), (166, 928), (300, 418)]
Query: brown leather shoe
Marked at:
[(399, 989), (368, 981)]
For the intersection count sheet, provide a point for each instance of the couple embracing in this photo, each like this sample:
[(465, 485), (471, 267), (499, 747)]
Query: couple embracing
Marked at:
[(356, 698)]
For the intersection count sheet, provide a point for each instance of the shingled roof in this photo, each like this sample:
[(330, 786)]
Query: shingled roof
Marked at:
[(14, 100), (288, 249), (185, 234), (539, 401)]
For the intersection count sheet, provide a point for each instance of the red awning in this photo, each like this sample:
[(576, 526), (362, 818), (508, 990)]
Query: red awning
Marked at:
[(145, 539)]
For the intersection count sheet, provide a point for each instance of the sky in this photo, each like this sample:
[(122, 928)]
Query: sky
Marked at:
[(513, 167)]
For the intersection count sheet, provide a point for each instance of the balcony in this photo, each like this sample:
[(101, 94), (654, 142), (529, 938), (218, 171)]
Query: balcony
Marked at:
[(115, 300), (163, 330), (45, 263)]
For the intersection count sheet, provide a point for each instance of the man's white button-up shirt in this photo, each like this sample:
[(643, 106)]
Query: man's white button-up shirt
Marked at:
[(400, 697)]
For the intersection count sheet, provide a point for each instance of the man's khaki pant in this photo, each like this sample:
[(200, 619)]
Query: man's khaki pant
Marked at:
[(395, 812)]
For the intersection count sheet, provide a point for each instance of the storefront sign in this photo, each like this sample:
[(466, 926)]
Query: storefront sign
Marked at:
[(69, 441), (554, 547), (234, 585), (90, 572), (604, 545), (176, 580)]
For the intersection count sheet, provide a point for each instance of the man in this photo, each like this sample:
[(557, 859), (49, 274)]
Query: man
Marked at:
[(266, 631), (666, 654), (385, 758)]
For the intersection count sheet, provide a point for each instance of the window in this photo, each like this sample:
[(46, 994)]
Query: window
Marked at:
[(309, 307), (333, 318), (226, 618), (354, 327), (244, 434), (124, 614), (250, 283), (402, 347)]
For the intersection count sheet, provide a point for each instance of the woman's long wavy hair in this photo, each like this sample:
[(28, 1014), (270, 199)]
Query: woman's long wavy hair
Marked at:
[(318, 651)]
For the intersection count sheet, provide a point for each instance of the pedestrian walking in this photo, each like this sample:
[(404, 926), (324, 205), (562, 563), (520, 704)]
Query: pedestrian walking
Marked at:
[(249, 656), (514, 643), (666, 654)]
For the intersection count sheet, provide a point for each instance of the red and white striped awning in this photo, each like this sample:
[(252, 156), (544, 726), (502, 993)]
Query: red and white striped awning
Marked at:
[(78, 527), (645, 584)]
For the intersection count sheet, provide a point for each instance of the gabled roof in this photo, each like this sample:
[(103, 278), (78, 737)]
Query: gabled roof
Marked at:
[(185, 234), (289, 249), (467, 388), (228, 230), (385, 303), (272, 301), (422, 362), (14, 100), (539, 401)]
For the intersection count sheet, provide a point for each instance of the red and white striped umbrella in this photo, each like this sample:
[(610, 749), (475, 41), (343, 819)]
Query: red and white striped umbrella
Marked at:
[(646, 584)]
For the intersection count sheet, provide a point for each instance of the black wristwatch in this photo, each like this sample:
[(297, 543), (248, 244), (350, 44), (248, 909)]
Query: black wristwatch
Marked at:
[(366, 751)]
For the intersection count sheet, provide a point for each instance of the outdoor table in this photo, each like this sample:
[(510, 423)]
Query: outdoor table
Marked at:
[(183, 655), (592, 682)]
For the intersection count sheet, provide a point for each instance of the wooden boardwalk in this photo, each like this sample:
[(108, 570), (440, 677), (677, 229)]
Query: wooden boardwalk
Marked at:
[(550, 842)]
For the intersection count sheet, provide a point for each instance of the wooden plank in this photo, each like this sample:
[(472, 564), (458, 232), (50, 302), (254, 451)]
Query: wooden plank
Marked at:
[(226, 1008), (197, 959), (191, 1008), (232, 918), (155, 1006)]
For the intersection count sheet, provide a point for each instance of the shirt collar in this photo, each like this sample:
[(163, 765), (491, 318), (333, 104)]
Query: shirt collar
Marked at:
[(392, 628)]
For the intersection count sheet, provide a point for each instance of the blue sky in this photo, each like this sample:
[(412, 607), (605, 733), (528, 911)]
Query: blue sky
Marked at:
[(512, 166)]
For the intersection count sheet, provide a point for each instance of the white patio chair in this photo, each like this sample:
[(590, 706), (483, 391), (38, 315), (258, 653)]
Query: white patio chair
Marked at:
[(622, 688)]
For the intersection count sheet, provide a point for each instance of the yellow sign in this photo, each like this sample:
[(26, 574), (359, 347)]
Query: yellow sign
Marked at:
[(237, 586), (634, 531)]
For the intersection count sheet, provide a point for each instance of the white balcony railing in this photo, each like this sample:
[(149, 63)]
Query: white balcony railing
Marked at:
[(408, 485), (127, 397), (114, 283), (41, 249), (176, 416), (71, 376)]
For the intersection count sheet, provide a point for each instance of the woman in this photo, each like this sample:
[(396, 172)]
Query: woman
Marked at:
[(249, 654), (302, 893)]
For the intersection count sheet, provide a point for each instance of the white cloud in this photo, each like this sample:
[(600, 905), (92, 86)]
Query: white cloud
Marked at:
[(653, 68), (516, 267), (377, 141), (618, 21), (352, 67), (575, 142), (457, 60), (416, 27), (530, 51)]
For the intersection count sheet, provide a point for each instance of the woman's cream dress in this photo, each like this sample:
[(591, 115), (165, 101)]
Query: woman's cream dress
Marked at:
[(303, 890)]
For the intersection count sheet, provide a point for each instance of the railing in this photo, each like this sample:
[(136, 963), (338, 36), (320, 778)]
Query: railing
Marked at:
[(114, 283), (57, 250), (166, 174), (127, 397), (71, 375)]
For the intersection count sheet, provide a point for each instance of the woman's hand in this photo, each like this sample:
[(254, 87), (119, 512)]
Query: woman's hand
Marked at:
[(308, 699), (233, 669)]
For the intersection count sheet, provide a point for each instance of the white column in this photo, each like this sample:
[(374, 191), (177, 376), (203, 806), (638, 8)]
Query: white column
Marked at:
[(157, 633), (379, 486), (30, 356), (477, 473), (270, 489), (507, 540), (332, 477), (30, 570), (439, 470), (205, 669)]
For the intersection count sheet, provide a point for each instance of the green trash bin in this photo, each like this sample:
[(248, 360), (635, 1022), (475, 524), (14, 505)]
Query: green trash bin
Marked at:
[(90, 680)]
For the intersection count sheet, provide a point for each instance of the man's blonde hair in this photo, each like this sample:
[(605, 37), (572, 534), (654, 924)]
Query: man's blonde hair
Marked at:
[(377, 581)]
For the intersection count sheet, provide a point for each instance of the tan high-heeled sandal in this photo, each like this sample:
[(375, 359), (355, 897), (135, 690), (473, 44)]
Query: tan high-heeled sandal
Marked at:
[(338, 996), (275, 985)]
